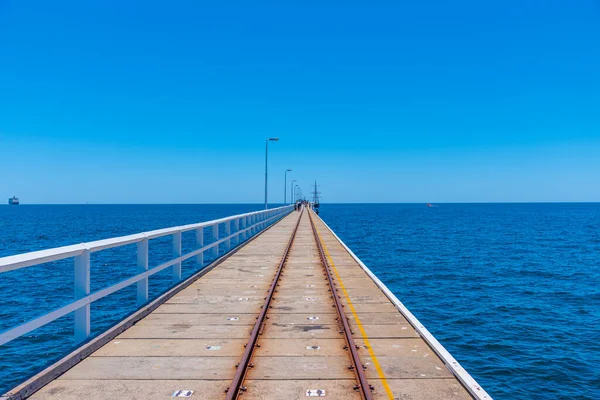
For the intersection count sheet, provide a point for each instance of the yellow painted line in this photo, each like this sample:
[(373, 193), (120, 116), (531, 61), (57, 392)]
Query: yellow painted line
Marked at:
[(384, 382)]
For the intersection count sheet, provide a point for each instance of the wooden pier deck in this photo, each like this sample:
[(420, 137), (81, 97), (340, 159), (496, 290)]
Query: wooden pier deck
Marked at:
[(195, 340)]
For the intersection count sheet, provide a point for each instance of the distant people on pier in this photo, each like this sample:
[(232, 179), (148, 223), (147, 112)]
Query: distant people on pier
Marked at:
[(301, 204)]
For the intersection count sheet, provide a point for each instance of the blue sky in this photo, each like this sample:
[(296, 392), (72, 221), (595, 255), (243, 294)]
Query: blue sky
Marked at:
[(380, 101)]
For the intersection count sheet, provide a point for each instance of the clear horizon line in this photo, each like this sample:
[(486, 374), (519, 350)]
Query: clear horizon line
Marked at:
[(326, 203)]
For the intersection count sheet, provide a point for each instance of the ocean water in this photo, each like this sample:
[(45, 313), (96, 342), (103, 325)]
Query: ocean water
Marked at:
[(511, 290)]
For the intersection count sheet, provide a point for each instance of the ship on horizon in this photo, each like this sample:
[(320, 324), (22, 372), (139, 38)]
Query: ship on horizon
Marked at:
[(13, 201)]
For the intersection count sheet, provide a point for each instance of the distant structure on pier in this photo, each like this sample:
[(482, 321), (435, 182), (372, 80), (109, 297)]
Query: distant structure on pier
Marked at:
[(316, 194), (13, 201)]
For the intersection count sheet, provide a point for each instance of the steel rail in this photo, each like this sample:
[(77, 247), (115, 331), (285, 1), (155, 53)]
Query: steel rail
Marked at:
[(357, 367), (236, 387)]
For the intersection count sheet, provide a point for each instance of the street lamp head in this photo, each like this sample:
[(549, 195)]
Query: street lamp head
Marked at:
[(289, 170), (273, 139)]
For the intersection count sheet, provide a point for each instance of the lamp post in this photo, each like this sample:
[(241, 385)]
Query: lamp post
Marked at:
[(292, 191), (285, 186), (296, 187), (266, 163)]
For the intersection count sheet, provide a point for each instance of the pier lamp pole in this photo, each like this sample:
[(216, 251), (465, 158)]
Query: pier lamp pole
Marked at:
[(285, 186), (266, 162), (296, 193), (292, 191)]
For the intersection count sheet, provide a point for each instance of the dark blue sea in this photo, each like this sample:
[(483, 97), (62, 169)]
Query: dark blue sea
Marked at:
[(511, 290)]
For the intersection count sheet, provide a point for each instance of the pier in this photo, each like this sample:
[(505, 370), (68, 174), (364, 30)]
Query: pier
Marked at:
[(288, 312)]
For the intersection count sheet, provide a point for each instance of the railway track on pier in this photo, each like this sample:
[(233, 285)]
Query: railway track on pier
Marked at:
[(250, 357)]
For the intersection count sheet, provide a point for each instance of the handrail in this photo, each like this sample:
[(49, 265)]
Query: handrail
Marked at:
[(245, 226), (58, 253)]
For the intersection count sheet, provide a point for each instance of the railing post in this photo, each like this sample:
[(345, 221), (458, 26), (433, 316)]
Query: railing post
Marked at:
[(243, 225), (82, 289), (236, 227), (199, 245), (142, 266), (177, 253), (227, 233), (215, 249)]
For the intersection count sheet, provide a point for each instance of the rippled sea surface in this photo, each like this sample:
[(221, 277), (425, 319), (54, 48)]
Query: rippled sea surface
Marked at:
[(511, 290)]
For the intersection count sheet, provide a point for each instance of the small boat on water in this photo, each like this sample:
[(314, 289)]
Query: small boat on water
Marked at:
[(429, 205), (13, 201)]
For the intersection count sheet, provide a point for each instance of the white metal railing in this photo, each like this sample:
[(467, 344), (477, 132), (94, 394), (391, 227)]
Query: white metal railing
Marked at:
[(244, 227)]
